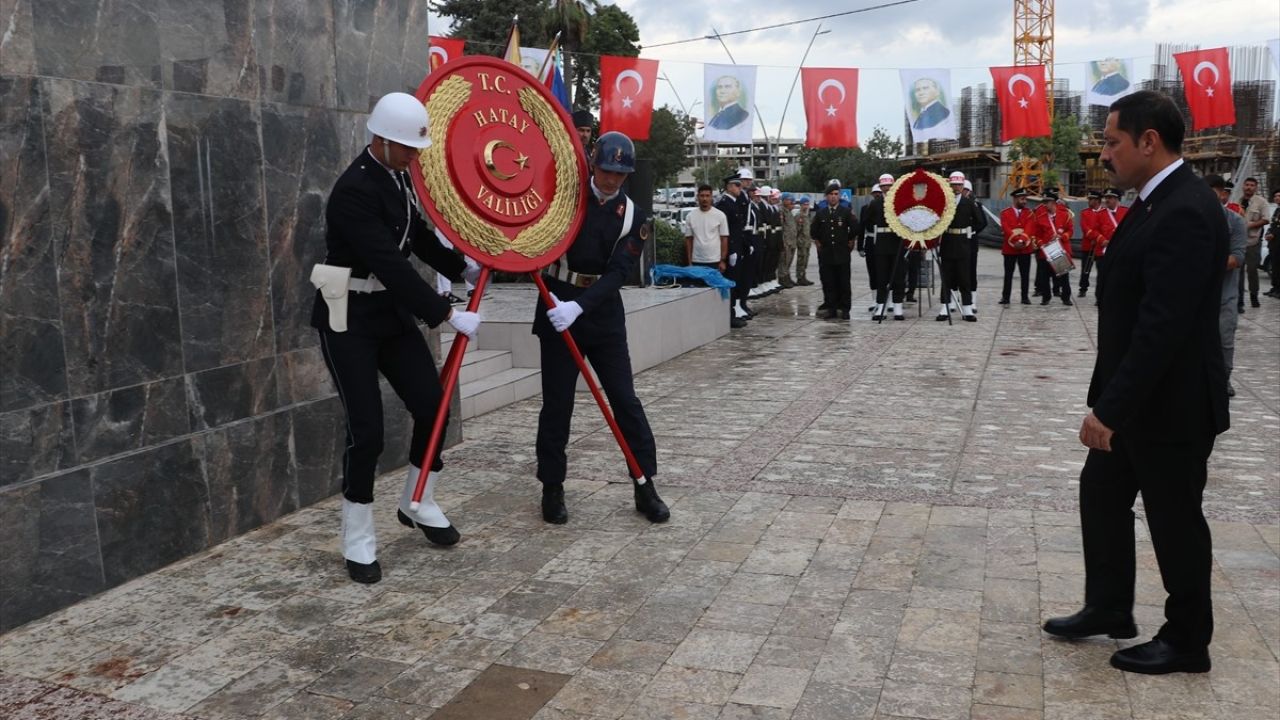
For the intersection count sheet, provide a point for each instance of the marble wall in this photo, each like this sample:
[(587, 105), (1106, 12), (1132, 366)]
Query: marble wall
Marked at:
[(164, 166)]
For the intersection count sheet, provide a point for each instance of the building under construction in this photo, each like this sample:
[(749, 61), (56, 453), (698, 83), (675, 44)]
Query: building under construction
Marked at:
[(1250, 148)]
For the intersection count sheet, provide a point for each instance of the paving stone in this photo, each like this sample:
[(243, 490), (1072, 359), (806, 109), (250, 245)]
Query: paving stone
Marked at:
[(632, 655), (357, 679), (929, 702), (551, 653), (429, 684), (308, 706), (717, 650), (268, 685), (698, 685)]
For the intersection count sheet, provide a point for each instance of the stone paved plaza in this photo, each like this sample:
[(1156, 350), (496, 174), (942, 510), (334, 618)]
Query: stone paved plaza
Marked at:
[(868, 521)]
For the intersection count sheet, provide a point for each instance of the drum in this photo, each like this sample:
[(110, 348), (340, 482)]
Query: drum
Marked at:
[(1058, 259)]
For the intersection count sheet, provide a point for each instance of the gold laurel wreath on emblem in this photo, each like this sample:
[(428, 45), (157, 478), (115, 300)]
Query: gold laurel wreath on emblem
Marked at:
[(443, 105), (915, 239)]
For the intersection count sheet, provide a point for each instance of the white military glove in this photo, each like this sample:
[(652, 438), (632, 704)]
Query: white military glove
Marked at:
[(563, 314), (733, 259), (751, 249), (472, 274), (465, 322)]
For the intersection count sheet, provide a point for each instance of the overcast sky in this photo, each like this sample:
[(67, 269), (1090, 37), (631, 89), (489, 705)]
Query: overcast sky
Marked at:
[(967, 36)]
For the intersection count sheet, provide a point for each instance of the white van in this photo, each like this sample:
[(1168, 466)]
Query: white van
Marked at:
[(683, 197)]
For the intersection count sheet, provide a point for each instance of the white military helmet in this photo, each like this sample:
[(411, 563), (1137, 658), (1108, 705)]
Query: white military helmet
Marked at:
[(885, 180), (400, 117), (957, 178), (746, 173), (968, 186)]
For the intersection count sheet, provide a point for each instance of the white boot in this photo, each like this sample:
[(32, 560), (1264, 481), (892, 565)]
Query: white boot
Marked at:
[(428, 516), (359, 544), (943, 312), (967, 313), (878, 313), (738, 312), (897, 312)]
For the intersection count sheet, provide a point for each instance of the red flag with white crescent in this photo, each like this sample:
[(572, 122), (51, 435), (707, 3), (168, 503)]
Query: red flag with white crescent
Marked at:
[(1206, 79), (627, 85), (443, 50), (830, 106), (1024, 105)]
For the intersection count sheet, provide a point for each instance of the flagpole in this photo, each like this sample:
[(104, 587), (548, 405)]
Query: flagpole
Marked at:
[(817, 31), (551, 51), (763, 129)]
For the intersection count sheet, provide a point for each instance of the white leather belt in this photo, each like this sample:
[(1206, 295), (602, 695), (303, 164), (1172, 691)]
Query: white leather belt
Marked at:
[(883, 229), (561, 272), (370, 284), (957, 231)]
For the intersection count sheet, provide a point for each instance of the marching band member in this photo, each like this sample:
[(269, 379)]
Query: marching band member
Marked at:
[(1018, 224), (1090, 219)]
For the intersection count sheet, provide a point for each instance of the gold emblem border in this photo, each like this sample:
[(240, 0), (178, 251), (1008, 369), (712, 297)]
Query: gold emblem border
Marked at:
[(443, 106), (915, 239)]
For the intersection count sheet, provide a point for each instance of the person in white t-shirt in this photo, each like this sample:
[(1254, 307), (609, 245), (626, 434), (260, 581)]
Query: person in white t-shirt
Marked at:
[(706, 234)]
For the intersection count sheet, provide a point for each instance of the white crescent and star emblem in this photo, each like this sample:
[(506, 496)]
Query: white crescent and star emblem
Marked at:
[(1020, 77), (831, 82), (627, 100), (1206, 65), (441, 53)]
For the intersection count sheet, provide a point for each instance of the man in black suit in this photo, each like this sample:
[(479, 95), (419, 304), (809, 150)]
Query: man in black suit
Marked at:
[(368, 301), (1158, 393)]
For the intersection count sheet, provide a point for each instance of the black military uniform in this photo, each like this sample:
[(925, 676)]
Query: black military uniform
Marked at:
[(867, 239), (591, 273), (373, 224), (955, 251), (979, 224), (736, 214), (835, 230), (889, 254), (771, 219)]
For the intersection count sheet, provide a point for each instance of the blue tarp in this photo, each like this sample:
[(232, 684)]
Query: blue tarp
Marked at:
[(710, 276)]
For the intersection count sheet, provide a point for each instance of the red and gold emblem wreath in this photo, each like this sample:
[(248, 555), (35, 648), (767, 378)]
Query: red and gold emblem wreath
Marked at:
[(919, 207)]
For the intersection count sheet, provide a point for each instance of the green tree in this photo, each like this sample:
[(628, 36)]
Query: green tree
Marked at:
[(570, 18), (1059, 153), (853, 167), (485, 25), (611, 31), (669, 130)]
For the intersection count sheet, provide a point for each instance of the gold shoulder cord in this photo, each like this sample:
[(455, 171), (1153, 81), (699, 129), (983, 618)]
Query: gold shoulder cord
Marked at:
[(443, 105)]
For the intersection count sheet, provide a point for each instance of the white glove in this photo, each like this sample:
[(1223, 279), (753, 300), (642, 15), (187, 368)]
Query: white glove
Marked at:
[(465, 322), (751, 249), (472, 274), (862, 253), (733, 259), (563, 314)]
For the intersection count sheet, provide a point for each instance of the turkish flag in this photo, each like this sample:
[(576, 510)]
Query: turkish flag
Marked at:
[(443, 50), (830, 107), (1206, 78), (1024, 105), (626, 95)]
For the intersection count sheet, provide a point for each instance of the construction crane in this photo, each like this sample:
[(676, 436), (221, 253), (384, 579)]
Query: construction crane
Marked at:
[(1032, 45)]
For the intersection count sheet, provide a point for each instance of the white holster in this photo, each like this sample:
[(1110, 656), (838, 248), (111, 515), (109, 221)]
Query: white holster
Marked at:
[(332, 281)]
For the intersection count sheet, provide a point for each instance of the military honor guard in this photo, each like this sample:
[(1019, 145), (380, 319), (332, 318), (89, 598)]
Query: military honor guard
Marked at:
[(980, 223), (867, 238), (368, 302), (888, 256), (736, 213), (1090, 220), (956, 255), (834, 232), (585, 285), (1018, 225)]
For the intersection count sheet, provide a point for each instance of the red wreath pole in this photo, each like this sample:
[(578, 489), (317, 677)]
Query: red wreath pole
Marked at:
[(632, 465), (448, 379)]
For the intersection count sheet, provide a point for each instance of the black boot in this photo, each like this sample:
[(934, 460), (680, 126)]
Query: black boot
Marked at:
[(1253, 300), (365, 573), (553, 509), (648, 503)]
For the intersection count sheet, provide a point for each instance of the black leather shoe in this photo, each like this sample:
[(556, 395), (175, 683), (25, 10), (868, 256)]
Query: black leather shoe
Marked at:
[(1026, 300), (970, 318), (844, 314), (827, 314), (649, 504), (737, 322), (1158, 657), (942, 317), (1083, 291), (1066, 300), (1093, 621), (1045, 300), (899, 317), (362, 573), (553, 509), (444, 536), (1004, 301), (1253, 300)]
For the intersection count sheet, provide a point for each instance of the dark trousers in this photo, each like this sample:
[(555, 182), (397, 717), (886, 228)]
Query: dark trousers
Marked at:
[(354, 362), (873, 278), (768, 269), (1062, 286), (1044, 275), (611, 361), (1171, 477), (837, 290), (891, 271), (1252, 260), (1086, 265), (1023, 263), (914, 261), (973, 265), (747, 264), (955, 274)]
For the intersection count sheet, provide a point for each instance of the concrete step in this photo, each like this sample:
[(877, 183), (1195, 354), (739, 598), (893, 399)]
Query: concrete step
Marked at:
[(477, 364), (499, 389)]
